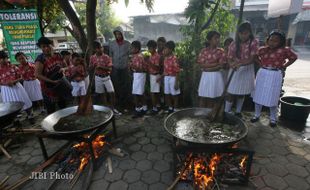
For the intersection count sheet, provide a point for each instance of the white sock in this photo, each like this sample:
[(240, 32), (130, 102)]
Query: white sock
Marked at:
[(239, 104), (170, 108), (155, 108), (258, 110), (273, 114), (138, 109), (228, 106), (144, 107)]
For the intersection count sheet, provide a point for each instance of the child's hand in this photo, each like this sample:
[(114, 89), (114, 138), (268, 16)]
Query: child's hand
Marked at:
[(11, 83)]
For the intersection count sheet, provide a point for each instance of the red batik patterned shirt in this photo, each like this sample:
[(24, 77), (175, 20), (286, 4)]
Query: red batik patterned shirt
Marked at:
[(101, 61), (137, 63), (246, 50), (8, 73), (155, 66), (275, 58), (27, 71), (211, 56), (171, 66), (76, 73), (51, 67)]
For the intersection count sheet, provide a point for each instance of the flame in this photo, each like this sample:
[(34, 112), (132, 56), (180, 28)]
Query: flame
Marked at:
[(203, 173), (97, 145), (242, 163)]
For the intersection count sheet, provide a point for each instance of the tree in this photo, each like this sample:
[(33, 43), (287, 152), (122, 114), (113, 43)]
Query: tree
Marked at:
[(203, 16)]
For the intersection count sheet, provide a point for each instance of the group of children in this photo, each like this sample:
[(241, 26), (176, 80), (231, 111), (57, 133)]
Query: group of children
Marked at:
[(233, 64)]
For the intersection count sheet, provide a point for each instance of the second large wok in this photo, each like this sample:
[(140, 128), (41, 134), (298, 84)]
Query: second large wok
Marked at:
[(191, 125)]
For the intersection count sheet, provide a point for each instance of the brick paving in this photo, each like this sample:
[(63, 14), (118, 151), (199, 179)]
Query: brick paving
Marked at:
[(281, 160)]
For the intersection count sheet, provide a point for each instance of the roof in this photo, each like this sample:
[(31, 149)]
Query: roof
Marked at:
[(174, 19), (302, 16)]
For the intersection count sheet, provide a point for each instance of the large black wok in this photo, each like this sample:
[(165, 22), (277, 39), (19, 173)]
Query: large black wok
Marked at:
[(191, 125), (50, 121), (9, 111)]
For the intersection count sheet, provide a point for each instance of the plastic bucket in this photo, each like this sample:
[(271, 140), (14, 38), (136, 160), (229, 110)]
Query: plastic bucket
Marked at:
[(295, 108)]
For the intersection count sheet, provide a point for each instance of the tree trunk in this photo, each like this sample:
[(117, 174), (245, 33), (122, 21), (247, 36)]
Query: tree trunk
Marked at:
[(40, 15), (77, 30), (91, 24)]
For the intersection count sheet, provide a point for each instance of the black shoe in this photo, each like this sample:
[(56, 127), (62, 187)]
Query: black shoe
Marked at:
[(254, 119), (170, 111), (238, 115), (273, 124)]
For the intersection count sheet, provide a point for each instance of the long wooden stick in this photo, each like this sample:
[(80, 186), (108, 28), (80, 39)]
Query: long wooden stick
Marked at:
[(5, 152), (181, 173), (38, 169), (215, 111), (3, 182)]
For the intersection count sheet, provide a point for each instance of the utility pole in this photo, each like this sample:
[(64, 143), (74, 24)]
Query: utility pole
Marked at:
[(241, 12)]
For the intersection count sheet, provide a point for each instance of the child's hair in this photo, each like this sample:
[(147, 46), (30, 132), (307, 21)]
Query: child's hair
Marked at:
[(161, 39), (64, 53), (75, 55), (246, 26), (210, 36), (170, 45), (151, 44), (281, 35), (19, 54), (3, 55), (96, 45), (136, 44), (80, 61), (228, 41)]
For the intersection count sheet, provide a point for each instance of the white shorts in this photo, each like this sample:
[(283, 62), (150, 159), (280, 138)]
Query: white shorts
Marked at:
[(103, 84), (86, 80), (169, 86), (155, 86), (211, 85), (78, 88), (138, 83), (33, 89)]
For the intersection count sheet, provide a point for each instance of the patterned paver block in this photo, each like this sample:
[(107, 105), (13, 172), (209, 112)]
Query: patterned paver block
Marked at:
[(150, 177), (132, 176), (275, 182), (296, 182), (118, 185)]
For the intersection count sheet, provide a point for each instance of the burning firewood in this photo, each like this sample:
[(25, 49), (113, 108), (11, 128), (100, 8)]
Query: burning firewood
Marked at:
[(188, 163)]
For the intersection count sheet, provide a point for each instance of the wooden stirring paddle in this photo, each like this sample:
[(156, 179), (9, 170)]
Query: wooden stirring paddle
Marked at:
[(217, 113)]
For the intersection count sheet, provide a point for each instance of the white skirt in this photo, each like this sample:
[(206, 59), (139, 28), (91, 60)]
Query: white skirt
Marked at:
[(33, 90), (268, 87), (242, 83), (211, 84), (16, 93)]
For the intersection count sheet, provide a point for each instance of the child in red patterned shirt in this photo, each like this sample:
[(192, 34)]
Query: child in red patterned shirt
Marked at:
[(76, 74), (273, 58), (30, 82), (11, 89), (171, 79), (139, 68)]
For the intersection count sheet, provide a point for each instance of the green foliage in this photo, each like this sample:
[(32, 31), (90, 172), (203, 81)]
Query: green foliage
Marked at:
[(106, 21)]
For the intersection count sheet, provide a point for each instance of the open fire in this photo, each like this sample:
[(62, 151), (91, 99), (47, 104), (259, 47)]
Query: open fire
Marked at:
[(97, 144), (206, 171)]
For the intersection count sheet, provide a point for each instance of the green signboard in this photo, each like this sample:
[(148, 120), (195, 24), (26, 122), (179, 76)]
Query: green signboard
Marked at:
[(21, 31)]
